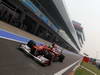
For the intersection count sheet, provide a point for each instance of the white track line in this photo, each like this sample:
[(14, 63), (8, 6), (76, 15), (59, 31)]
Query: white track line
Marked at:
[(88, 70), (12, 39), (13, 33), (67, 68)]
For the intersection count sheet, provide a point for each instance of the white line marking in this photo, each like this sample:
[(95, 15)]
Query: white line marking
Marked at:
[(89, 70), (13, 33), (76, 67), (16, 35), (11, 39), (67, 68)]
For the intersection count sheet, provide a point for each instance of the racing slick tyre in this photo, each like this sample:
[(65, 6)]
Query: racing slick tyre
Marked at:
[(61, 58), (33, 51), (49, 56), (31, 43)]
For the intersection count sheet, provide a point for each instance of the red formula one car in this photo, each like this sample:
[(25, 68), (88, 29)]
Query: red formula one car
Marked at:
[(42, 53)]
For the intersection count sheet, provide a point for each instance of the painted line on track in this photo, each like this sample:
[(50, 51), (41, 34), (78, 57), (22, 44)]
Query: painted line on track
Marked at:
[(6, 34), (67, 68), (12, 39), (16, 37), (88, 70)]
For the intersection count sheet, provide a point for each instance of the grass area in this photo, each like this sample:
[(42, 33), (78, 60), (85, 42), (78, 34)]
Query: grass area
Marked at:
[(81, 71), (91, 67)]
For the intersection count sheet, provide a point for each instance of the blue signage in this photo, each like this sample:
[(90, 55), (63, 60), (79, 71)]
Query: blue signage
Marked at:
[(44, 18), (31, 6)]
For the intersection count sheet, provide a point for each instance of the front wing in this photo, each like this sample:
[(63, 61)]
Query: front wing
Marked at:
[(39, 58)]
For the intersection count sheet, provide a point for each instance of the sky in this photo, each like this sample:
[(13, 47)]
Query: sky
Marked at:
[(87, 13)]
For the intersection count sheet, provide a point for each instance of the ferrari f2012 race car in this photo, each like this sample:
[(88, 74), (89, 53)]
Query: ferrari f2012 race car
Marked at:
[(42, 53)]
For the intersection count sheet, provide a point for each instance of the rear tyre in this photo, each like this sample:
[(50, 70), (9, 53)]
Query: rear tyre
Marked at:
[(31, 43), (48, 55), (61, 58)]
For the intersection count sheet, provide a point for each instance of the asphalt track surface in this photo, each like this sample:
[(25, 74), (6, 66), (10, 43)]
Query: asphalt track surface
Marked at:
[(15, 62)]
